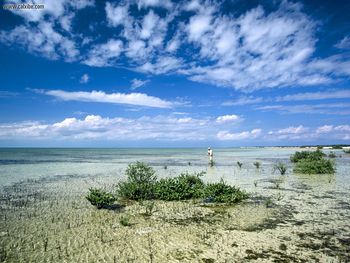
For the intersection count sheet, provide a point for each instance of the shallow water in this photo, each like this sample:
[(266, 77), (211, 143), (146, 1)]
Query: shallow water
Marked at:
[(291, 218)]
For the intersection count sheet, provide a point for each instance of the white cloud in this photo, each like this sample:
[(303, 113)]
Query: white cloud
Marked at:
[(116, 15), (301, 133), (228, 118), (324, 108), (321, 95), (84, 78), (291, 130), (137, 83), (117, 128), (104, 54), (154, 3), (161, 66), (43, 40), (148, 25), (344, 43), (227, 136), (324, 129), (243, 101), (198, 25), (258, 49), (345, 128), (138, 99)]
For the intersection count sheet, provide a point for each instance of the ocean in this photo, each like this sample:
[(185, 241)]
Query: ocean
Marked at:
[(45, 217)]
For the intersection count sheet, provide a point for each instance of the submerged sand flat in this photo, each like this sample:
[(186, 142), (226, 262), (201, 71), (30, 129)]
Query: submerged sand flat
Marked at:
[(291, 218)]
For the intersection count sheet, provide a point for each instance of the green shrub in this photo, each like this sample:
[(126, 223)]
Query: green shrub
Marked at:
[(347, 151), (281, 167), (312, 163), (183, 187), (100, 198), (223, 193), (124, 221), (140, 183), (257, 165), (149, 206), (239, 164), (312, 166), (316, 155)]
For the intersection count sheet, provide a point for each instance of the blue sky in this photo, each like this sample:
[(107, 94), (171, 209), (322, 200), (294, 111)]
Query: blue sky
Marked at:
[(175, 73)]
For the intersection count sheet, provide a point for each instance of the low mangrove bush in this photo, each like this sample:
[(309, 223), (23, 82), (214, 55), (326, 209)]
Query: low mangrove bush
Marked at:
[(142, 184), (223, 193), (100, 198), (316, 155), (312, 163), (183, 187), (281, 167)]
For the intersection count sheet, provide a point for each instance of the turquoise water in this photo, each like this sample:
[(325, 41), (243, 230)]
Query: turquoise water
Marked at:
[(308, 209), (18, 164)]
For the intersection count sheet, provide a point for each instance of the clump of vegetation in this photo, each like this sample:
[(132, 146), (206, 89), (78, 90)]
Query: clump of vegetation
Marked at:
[(322, 166), (149, 208), (124, 221), (140, 184), (347, 151), (332, 155), (189, 163), (281, 167), (100, 198), (183, 187), (239, 164), (316, 155), (223, 193), (312, 163), (257, 165), (337, 147), (165, 167)]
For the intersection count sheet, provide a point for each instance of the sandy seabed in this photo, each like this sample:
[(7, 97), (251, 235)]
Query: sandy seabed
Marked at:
[(291, 218)]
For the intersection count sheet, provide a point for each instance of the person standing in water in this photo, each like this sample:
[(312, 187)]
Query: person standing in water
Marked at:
[(210, 154)]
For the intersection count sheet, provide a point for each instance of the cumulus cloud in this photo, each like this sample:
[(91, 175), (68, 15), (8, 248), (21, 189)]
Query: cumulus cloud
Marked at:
[(161, 128), (301, 133), (228, 118), (227, 136), (137, 99), (84, 78), (117, 128)]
